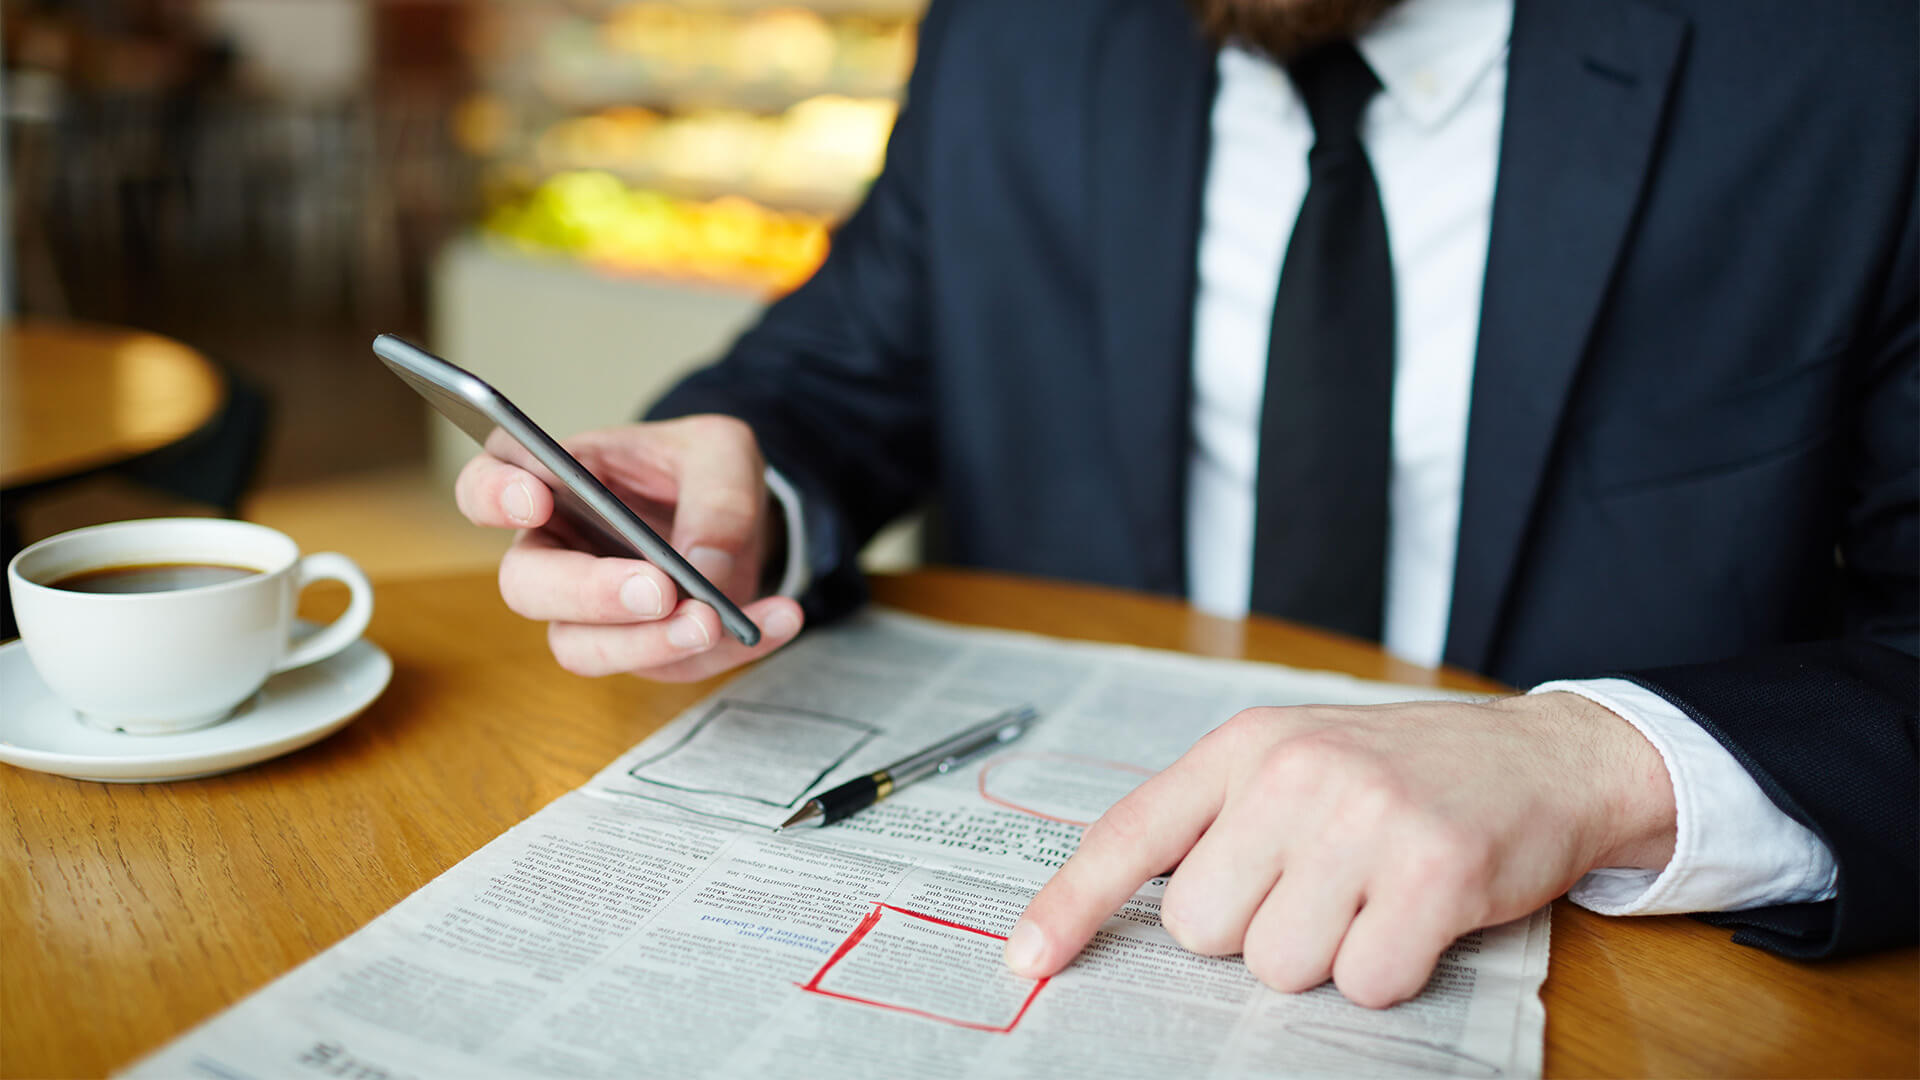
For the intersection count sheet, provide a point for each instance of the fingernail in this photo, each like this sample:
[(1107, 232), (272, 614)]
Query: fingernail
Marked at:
[(1024, 946), (782, 623), (687, 633), (640, 595), (714, 565), (518, 501)]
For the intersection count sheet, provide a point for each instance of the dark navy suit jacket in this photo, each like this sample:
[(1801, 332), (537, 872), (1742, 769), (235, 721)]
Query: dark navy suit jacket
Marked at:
[(1692, 447)]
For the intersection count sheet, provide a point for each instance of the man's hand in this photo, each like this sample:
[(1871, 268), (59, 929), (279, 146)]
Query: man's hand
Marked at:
[(1358, 843), (700, 482)]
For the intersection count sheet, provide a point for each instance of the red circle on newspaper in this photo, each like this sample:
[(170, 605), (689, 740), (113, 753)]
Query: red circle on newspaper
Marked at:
[(1066, 788)]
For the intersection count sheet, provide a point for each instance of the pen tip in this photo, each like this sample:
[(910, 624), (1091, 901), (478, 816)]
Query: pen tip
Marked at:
[(801, 816)]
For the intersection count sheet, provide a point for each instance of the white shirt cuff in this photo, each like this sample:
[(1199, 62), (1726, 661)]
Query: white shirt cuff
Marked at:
[(1734, 849), (798, 574)]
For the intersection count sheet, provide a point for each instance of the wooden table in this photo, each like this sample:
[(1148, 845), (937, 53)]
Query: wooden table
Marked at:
[(77, 398), (133, 912)]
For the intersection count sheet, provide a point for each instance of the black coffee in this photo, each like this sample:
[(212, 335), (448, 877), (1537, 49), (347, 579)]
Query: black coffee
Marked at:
[(152, 577)]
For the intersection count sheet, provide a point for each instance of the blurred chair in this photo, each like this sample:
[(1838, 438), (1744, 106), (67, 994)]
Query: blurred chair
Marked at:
[(216, 464), (31, 104)]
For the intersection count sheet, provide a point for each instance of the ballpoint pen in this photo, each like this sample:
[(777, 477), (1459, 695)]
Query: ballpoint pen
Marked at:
[(861, 792)]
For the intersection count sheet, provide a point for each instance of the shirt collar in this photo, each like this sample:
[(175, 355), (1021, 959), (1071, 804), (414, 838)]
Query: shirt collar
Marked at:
[(1430, 54)]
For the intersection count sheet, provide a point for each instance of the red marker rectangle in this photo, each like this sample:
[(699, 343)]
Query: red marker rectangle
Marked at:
[(1017, 1006)]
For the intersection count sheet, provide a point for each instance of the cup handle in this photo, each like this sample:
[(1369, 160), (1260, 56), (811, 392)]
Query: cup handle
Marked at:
[(343, 631)]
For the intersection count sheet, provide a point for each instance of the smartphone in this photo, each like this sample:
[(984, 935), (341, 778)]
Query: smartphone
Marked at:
[(598, 515)]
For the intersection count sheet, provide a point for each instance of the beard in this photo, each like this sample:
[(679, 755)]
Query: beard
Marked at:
[(1285, 29)]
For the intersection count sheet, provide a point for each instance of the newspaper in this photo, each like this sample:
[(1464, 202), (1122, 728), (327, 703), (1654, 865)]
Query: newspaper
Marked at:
[(653, 922)]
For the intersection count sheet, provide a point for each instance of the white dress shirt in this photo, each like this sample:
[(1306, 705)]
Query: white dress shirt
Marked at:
[(1432, 136)]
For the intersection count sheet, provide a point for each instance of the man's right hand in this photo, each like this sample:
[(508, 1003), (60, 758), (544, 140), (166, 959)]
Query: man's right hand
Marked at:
[(700, 482)]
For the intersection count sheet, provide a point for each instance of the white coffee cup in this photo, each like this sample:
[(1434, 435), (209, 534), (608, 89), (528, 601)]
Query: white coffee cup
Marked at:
[(152, 663)]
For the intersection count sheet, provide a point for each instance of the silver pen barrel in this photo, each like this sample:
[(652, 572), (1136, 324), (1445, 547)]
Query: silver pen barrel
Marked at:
[(966, 744), (863, 791)]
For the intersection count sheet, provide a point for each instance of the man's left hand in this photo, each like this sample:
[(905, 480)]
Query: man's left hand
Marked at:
[(1358, 843)]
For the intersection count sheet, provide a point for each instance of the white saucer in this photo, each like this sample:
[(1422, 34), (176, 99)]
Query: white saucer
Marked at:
[(293, 709)]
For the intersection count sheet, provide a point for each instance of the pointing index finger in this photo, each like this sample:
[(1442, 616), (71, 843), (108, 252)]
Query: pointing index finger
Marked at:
[(1140, 836)]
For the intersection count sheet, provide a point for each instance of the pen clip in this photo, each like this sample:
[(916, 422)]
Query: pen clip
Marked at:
[(1015, 725)]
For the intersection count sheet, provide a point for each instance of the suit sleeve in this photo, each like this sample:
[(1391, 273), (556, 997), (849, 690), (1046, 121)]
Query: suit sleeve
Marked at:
[(1828, 729), (833, 378)]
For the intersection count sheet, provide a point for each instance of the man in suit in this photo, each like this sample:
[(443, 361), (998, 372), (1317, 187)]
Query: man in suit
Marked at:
[(1567, 341)]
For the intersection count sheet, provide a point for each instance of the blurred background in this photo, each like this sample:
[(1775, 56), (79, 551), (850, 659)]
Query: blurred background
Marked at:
[(577, 199)]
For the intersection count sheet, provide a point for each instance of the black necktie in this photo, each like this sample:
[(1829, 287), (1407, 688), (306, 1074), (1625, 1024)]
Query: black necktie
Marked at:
[(1320, 524)]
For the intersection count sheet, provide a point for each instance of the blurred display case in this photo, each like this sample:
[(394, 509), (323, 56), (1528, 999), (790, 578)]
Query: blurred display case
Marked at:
[(649, 175), (711, 141)]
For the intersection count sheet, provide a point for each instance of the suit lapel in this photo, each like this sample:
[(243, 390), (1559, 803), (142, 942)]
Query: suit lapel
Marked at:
[(1151, 96), (1587, 86)]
